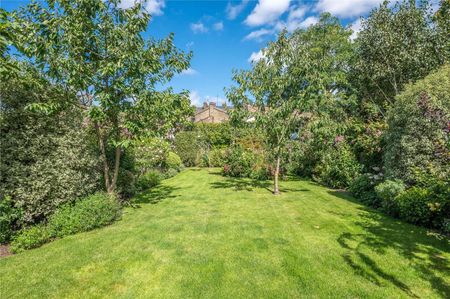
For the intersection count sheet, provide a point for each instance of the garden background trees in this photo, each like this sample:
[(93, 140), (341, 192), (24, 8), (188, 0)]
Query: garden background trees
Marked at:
[(302, 78), (95, 50)]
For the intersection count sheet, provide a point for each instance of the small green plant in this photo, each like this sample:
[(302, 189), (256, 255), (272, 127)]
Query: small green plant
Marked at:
[(94, 211), (9, 218), (363, 189), (31, 237), (173, 161), (148, 180), (387, 191)]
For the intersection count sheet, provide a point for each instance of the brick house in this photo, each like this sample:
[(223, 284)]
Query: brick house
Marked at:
[(211, 113)]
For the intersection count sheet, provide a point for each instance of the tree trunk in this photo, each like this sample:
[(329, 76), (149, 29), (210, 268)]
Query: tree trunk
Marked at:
[(113, 184), (276, 190), (101, 145)]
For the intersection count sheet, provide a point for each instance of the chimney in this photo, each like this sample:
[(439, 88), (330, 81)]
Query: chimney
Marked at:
[(205, 105), (213, 104)]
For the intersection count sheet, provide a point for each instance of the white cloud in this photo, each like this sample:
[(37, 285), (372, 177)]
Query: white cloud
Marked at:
[(267, 11), (218, 26), (153, 7), (256, 56), (199, 27), (189, 72), (234, 10), (194, 97), (347, 8), (356, 27), (296, 13), (308, 22), (258, 34)]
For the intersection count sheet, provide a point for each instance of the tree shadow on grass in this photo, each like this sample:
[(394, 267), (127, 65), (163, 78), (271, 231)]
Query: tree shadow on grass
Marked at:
[(155, 195), (423, 249), (240, 184)]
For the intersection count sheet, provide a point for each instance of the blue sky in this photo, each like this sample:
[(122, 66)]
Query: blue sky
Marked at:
[(225, 35)]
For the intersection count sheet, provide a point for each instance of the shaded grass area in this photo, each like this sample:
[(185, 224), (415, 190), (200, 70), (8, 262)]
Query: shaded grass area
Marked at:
[(202, 235)]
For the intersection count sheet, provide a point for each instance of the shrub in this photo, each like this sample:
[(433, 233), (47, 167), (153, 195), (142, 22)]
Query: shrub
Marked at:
[(363, 188), (151, 153), (428, 206), (413, 206), (170, 173), (337, 168), (148, 180), (386, 192), (173, 161), (46, 159), (9, 218), (29, 238), (216, 157), (238, 162), (94, 211), (417, 135), (187, 147)]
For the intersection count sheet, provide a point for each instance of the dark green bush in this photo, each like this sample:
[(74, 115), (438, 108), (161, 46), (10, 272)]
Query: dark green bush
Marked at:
[(238, 162), (94, 211), (29, 238), (413, 206), (173, 161), (428, 206), (417, 135), (148, 180), (338, 167), (46, 159), (387, 192), (9, 218), (187, 147), (363, 188)]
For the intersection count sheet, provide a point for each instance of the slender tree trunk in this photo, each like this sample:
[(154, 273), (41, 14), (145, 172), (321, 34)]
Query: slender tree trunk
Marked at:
[(101, 145), (276, 189), (113, 184)]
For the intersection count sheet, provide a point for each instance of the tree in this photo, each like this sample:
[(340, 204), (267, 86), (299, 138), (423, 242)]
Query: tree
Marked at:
[(398, 44), (96, 51), (300, 76)]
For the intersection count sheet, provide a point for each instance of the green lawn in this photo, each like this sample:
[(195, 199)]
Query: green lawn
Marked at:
[(202, 235)]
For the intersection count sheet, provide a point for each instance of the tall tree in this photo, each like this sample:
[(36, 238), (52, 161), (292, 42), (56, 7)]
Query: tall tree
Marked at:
[(97, 51), (398, 44), (300, 76)]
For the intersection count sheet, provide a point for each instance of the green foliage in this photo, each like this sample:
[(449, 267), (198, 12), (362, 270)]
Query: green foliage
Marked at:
[(387, 192), (241, 162), (46, 159), (427, 205), (86, 214), (151, 153), (397, 44), (97, 51), (30, 238), (9, 218), (173, 161), (216, 157), (187, 147), (214, 135), (148, 180), (363, 188), (418, 135), (338, 167), (291, 79)]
